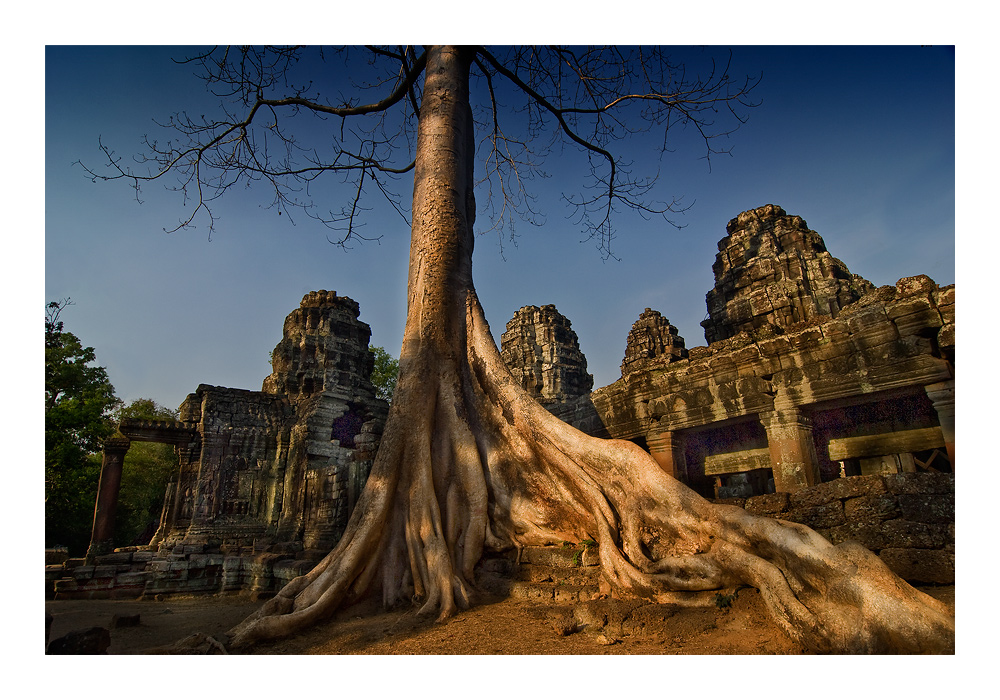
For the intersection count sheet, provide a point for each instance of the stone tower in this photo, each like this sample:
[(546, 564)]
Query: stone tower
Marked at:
[(323, 366), (324, 348), (543, 353), (284, 464), (652, 340), (773, 271)]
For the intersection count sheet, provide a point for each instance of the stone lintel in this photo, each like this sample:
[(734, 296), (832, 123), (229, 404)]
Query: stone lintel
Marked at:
[(168, 432), (886, 443), (736, 462)]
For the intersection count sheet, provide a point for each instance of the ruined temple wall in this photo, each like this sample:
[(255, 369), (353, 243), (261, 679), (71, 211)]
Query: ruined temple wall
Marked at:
[(893, 348), (226, 491), (908, 520)]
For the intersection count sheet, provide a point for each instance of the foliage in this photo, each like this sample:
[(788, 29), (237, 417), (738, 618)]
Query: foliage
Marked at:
[(79, 400), (145, 475), (385, 373)]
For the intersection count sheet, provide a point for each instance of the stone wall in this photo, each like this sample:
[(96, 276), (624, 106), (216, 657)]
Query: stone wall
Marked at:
[(543, 353), (908, 520)]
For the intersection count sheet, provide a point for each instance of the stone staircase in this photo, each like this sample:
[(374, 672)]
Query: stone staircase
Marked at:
[(561, 574)]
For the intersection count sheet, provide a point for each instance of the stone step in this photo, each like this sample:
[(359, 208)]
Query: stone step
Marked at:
[(554, 592), (559, 574), (566, 556)]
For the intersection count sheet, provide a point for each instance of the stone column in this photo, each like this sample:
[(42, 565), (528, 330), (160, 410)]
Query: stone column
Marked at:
[(793, 453), (667, 448), (102, 537), (942, 396)]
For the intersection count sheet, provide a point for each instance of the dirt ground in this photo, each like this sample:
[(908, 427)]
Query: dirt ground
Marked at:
[(495, 626)]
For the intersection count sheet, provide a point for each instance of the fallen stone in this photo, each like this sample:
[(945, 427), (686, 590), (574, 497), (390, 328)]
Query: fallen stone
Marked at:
[(94, 640)]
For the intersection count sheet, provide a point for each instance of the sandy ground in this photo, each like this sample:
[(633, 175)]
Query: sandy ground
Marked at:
[(495, 626)]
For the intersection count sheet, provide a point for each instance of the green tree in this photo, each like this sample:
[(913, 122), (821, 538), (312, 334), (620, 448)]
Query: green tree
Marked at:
[(79, 401), (468, 460), (145, 473), (384, 373)]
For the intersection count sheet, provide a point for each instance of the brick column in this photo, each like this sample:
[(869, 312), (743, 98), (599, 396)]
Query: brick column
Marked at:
[(942, 396), (102, 536), (667, 448), (793, 453)]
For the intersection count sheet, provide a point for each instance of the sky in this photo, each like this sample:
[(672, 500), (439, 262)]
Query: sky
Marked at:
[(859, 141)]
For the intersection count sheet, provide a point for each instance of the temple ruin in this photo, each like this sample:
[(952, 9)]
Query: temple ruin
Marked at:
[(819, 398), (266, 479)]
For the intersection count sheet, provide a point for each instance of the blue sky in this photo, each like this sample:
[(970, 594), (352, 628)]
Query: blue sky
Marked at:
[(859, 141)]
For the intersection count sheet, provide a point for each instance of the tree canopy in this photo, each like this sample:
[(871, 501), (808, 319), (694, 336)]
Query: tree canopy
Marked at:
[(385, 373), (79, 402)]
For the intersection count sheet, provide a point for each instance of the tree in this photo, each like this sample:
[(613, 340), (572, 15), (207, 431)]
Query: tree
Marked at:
[(468, 461), (385, 373), (79, 400), (145, 473)]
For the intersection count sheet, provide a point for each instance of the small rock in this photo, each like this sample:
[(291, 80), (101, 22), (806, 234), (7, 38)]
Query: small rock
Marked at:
[(94, 640), (564, 625), (120, 620)]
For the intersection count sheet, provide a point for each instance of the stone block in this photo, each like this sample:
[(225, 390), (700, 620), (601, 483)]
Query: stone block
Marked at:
[(920, 565), (132, 578), (871, 508), (847, 487), (767, 504), (920, 483), (917, 322), (827, 515), (56, 555), (94, 640), (918, 284), (928, 508), (906, 534), (82, 573), (946, 336), (114, 558)]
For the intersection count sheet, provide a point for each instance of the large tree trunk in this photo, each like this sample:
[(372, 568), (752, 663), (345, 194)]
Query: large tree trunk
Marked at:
[(469, 461)]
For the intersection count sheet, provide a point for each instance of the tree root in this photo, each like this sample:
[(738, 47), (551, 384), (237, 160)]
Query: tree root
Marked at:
[(482, 464)]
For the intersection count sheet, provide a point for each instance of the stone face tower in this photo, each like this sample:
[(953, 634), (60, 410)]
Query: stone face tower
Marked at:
[(285, 464), (771, 270), (652, 340), (543, 353), (324, 348)]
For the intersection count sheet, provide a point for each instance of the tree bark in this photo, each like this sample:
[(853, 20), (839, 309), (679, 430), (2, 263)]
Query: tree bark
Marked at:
[(469, 461)]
